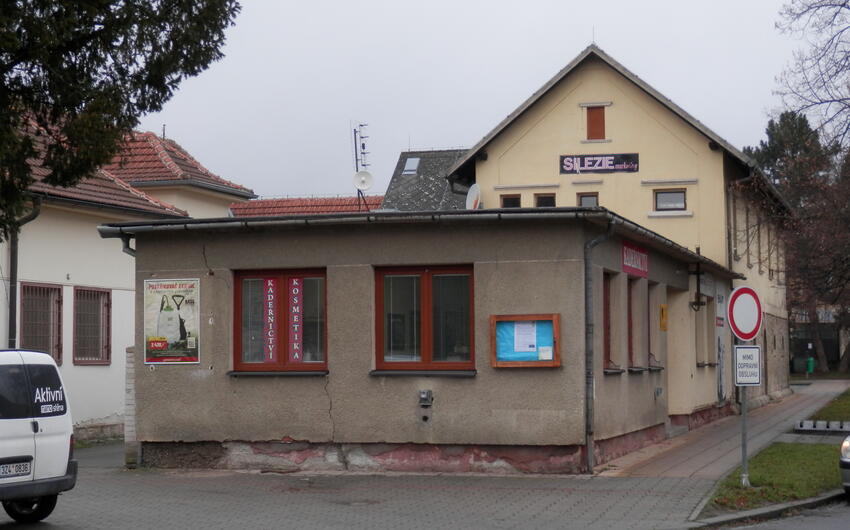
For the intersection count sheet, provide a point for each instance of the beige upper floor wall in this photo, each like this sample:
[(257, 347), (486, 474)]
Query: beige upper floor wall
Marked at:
[(199, 203), (525, 158)]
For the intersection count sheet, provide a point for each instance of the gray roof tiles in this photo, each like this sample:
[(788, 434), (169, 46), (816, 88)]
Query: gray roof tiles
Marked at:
[(426, 188)]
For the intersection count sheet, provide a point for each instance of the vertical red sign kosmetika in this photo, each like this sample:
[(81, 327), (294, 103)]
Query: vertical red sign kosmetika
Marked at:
[(295, 309), (635, 260), (270, 320)]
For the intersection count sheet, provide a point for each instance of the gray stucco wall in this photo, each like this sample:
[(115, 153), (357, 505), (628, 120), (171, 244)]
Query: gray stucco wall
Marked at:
[(520, 267)]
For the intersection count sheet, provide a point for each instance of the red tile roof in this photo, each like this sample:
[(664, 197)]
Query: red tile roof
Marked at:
[(104, 189), (99, 190), (303, 206), (148, 160)]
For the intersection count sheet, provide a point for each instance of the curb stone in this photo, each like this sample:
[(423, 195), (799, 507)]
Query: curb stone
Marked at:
[(772, 511)]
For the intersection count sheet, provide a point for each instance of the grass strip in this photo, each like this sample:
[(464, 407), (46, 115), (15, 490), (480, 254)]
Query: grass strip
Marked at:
[(836, 410), (782, 472)]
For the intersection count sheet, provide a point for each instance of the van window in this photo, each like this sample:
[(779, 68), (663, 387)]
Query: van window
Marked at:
[(48, 394), (14, 401)]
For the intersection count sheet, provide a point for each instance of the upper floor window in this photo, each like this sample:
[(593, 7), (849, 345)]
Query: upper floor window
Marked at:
[(510, 201), (544, 200), (670, 200), (596, 123), (280, 322), (587, 199), (424, 318)]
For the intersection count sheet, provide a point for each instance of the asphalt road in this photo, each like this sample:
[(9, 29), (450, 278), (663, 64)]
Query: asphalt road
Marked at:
[(109, 497)]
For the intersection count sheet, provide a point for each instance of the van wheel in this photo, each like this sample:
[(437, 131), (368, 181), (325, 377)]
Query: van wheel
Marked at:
[(30, 510)]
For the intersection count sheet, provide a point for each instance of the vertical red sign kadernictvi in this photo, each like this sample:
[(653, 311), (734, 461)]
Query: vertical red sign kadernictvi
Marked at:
[(295, 321), (270, 320)]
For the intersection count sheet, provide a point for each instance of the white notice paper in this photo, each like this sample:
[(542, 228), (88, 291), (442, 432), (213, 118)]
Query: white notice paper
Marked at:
[(525, 336), (545, 353)]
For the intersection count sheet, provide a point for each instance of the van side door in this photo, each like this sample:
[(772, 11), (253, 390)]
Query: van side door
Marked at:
[(50, 414), (17, 440)]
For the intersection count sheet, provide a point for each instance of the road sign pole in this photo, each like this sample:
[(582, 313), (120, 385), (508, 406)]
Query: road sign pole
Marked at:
[(745, 475), (745, 316)]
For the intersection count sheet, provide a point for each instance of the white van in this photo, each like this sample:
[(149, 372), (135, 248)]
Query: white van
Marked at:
[(36, 435)]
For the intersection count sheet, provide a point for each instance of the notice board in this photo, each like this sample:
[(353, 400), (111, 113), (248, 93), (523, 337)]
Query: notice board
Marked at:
[(525, 341)]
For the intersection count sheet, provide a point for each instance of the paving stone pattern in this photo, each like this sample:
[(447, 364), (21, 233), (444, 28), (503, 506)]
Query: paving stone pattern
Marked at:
[(108, 497)]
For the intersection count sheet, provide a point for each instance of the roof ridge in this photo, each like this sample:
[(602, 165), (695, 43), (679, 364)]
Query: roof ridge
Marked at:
[(192, 160), (153, 140), (142, 195)]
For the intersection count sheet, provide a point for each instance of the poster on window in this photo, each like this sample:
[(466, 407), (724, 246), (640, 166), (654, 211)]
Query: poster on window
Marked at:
[(171, 321)]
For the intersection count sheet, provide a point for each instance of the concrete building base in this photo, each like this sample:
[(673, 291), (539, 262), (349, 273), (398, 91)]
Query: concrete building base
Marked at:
[(291, 456), (702, 416)]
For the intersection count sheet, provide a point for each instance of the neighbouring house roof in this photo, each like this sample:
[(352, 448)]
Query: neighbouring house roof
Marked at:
[(104, 190), (100, 190), (419, 182), (148, 161), (594, 51), (303, 206)]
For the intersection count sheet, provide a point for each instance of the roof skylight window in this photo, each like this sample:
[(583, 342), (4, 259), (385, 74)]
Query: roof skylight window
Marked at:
[(410, 166)]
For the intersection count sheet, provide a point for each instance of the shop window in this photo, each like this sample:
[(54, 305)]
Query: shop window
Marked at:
[(596, 123), (607, 281), (670, 200), (92, 315), (41, 319), (544, 200), (280, 321), (630, 303), (424, 318), (510, 201), (587, 199)]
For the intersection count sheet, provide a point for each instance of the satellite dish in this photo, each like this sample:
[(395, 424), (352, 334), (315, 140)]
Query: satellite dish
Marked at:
[(363, 180), (473, 197)]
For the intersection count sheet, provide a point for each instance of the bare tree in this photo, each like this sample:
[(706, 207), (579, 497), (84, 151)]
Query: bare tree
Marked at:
[(817, 82)]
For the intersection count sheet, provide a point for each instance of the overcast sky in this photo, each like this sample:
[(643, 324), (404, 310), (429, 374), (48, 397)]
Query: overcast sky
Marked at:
[(275, 114)]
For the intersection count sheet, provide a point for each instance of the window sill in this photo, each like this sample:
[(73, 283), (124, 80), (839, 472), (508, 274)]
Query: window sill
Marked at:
[(423, 373), (671, 213), (703, 365), (312, 373), (612, 371), (92, 363), (637, 369), (600, 141)]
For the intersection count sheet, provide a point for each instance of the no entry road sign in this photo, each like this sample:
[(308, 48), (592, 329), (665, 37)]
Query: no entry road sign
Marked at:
[(744, 313)]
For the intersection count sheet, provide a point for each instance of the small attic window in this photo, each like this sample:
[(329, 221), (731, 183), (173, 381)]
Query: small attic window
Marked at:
[(410, 166)]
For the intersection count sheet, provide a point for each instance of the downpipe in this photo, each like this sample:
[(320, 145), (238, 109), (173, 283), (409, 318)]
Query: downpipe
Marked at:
[(13, 272), (588, 345)]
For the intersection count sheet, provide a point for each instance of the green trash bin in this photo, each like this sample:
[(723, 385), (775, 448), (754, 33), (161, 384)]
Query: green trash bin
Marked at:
[(810, 365)]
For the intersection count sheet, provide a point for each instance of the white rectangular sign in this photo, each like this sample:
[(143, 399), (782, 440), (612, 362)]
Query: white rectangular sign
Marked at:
[(747, 366)]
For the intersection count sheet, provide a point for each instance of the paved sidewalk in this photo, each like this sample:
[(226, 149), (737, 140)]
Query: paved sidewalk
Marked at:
[(659, 487), (108, 497), (713, 450)]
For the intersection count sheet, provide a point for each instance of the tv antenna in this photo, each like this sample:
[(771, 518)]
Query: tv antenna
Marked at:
[(360, 151)]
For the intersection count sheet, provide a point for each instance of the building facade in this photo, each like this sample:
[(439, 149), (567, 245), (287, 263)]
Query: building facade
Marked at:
[(434, 342), (598, 135)]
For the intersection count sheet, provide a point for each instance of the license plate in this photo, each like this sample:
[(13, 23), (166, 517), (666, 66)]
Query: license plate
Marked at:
[(14, 470)]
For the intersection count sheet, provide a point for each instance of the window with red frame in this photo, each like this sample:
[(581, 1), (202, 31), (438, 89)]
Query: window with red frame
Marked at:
[(424, 318), (280, 322)]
